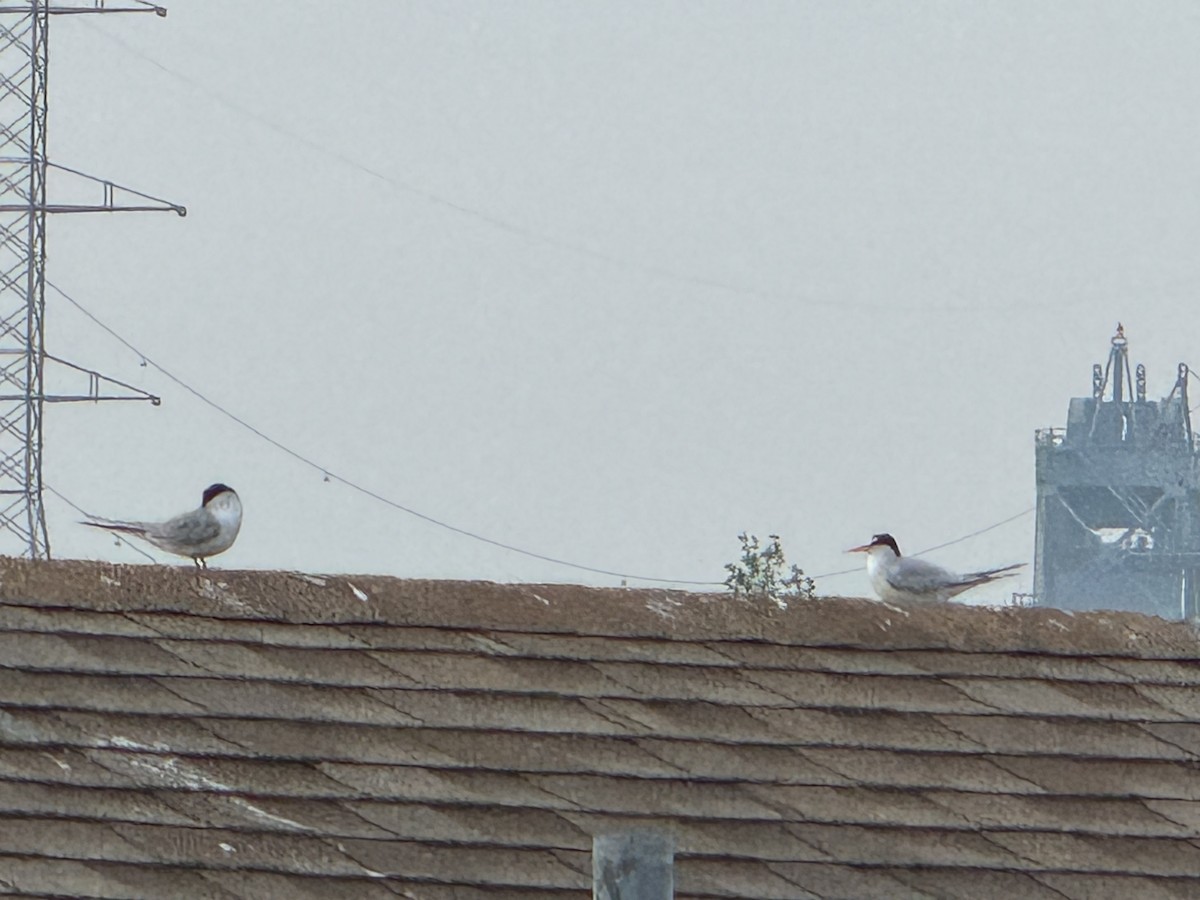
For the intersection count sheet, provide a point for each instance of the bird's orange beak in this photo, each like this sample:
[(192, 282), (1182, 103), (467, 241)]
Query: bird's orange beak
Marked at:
[(863, 549)]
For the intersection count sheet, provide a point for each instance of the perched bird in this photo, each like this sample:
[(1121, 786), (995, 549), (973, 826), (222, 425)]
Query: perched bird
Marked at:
[(902, 578), (198, 534)]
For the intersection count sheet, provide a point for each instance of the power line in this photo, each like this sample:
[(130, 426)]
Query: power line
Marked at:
[(503, 224), (330, 475), (353, 485), (957, 540), (88, 515), (965, 537), (439, 200), (333, 476)]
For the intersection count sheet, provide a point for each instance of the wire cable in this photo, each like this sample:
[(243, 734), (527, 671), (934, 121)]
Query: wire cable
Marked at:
[(536, 237), (957, 540), (355, 486), (83, 512), (330, 475)]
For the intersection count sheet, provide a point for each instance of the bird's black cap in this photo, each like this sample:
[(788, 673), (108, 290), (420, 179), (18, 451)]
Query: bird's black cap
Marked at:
[(214, 490), (885, 540)]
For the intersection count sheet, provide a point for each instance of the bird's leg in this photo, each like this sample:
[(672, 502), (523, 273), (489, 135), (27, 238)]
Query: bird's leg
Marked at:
[(201, 579)]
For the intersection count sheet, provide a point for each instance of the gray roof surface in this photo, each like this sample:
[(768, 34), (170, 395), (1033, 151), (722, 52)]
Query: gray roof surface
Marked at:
[(249, 734)]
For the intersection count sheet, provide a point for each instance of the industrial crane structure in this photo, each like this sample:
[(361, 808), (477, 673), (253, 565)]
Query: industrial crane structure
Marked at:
[(1118, 498)]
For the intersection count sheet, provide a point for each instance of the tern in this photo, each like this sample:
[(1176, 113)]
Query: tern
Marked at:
[(905, 579), (197, 534)]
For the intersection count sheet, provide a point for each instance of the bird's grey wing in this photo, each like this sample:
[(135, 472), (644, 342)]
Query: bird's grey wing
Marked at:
[(919, 576), (190, 529)]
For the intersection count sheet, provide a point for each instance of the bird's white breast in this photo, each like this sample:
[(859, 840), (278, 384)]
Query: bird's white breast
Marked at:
[(879, 562), (226, 507)]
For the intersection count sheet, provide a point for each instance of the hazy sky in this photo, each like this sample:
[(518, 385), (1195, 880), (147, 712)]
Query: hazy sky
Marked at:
[(614, 281)]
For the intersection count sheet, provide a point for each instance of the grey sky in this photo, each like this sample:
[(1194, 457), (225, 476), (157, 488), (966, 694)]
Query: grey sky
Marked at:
[(842, 260)]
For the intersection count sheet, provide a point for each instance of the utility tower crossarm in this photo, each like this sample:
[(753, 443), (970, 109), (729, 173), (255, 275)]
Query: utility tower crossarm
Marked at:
[(97, 6), (108, 201)]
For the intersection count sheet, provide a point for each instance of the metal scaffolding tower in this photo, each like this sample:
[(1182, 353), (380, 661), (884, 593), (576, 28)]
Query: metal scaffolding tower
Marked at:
[(24, 55), (1118, 498)]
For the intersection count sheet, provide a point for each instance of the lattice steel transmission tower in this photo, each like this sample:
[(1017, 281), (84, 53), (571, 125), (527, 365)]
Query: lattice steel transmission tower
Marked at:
[(1118, 521), (24, 55)]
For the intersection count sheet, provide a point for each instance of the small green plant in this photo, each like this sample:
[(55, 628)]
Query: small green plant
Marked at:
[(764, 572)]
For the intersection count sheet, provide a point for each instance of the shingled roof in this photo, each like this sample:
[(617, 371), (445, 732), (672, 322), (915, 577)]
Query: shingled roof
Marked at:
[(249, 734)]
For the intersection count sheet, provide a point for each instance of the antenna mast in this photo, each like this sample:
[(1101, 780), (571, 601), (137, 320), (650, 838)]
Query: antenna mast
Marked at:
[(24, 55)]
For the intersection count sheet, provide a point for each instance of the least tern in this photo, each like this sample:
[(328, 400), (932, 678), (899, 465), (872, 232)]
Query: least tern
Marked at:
[(905, 579), (197, 534)]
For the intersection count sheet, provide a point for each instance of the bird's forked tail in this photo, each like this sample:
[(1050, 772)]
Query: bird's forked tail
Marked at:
[(993, 574), (123, 527)]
